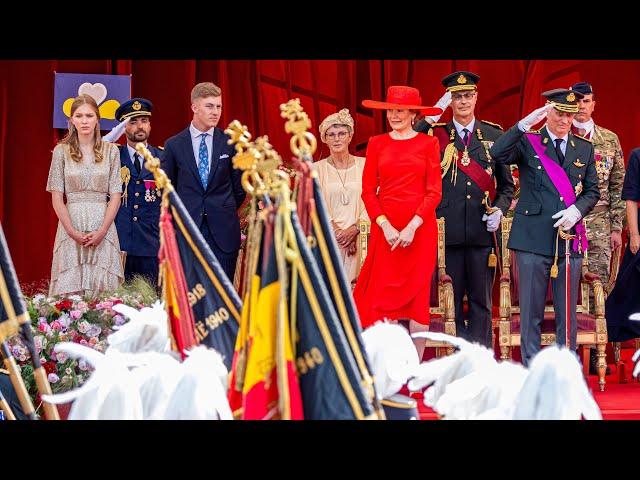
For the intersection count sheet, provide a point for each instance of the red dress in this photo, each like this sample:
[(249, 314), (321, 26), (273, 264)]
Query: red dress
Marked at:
[(395, 285)]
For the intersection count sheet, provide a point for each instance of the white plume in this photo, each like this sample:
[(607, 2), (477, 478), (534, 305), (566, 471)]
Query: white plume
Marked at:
[(392, 355), (201, 393), (110, 393), (555, 389), (145, 332)]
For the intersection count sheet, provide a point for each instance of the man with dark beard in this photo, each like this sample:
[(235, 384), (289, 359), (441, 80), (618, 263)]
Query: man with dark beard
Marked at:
[(139, 214)]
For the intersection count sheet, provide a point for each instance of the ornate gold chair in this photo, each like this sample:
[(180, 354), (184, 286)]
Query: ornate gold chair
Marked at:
[(592, 328), (441, 301)]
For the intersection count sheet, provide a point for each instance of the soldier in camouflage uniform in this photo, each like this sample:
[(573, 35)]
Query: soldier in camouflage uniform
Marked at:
[(604, 223)]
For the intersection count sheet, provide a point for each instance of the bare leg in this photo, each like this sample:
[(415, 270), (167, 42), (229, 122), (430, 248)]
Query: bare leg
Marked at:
[(418, 342)]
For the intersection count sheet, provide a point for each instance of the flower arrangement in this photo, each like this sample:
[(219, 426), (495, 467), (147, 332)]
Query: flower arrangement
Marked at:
[(88, 321)]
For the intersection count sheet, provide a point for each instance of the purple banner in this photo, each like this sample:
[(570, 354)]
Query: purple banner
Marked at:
[(109, 92)]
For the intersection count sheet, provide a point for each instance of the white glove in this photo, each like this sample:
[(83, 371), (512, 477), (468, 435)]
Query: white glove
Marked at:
[(443, 103), (493, 220), (534, 117), (567, 218), (116, 132)]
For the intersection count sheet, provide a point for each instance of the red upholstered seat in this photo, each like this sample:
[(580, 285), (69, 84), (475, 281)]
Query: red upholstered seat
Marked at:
[(585, 323)]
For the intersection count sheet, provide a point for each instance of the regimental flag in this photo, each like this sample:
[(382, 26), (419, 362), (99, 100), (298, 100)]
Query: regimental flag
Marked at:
[(15, 313), (325, 251), (192, 277), (251, 279), (330, 380), (270, 389)]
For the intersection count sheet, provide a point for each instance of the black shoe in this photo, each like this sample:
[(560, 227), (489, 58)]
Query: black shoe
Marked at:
[(593, 363)]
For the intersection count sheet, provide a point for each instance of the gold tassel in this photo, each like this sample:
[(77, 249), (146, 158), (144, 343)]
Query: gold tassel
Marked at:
[(554, 267), (493, 259)]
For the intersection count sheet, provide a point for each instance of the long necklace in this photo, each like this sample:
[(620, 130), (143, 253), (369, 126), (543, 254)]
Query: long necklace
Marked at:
[(344, 198)]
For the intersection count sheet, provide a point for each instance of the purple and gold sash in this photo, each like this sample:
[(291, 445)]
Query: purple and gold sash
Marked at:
[(562, 183)]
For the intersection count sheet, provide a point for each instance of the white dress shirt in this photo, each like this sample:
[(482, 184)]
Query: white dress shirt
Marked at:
[(195, 142), (460, 127), (563, 144), (132, 151)]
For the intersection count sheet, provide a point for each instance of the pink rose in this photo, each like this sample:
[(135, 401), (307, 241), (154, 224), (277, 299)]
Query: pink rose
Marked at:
[(42, 327), (56, 325), (84, 342), (61, 357), (75, 314), (53, 378), (82, 306), (93, 341)]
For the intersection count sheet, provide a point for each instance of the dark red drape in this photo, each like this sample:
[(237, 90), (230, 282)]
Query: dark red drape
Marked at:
[(252, 93)]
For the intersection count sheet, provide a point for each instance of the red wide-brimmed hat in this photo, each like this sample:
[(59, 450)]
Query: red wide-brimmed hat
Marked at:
[(402, 98)]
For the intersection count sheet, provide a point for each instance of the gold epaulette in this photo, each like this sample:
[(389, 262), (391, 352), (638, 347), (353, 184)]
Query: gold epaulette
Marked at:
[(582, 138), (441, 124), (499, 127), (537, 132)]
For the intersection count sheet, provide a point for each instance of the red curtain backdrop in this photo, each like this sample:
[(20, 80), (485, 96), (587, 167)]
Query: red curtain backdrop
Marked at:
[(252, 92)]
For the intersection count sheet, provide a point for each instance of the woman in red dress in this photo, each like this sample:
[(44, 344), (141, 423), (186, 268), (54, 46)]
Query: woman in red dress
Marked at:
[(401, 187)]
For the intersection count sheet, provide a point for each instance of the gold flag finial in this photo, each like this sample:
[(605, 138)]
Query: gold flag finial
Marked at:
[(303, 143)]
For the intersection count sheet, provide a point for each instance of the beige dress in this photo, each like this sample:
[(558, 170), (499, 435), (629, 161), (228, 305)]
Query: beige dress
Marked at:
[(344, 215), (77, 269)]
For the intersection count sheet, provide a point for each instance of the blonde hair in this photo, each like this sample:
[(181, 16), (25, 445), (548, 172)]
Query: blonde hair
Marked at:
[(72, 135), (204, 90)]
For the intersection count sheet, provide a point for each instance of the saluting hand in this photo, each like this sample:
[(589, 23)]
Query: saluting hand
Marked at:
[(534, 118)]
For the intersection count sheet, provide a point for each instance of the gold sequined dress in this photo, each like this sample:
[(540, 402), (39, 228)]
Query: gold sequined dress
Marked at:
[(86, 184)]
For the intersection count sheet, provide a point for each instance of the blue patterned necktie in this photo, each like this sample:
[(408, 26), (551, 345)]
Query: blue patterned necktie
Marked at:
[(203, 161)]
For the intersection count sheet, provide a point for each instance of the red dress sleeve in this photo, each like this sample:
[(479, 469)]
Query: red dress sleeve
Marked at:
[(433, 181), (370, 181)]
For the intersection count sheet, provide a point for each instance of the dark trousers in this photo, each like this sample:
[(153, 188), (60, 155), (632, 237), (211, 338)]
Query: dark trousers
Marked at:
[(142, 266), (534, 273), (227, 260), (468, 268)]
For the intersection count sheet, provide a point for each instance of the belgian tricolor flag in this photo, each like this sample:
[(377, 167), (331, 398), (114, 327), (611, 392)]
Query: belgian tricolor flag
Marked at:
[(202, 304)]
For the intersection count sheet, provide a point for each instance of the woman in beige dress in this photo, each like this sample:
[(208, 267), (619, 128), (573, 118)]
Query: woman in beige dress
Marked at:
[(340, 178), (86, 252)]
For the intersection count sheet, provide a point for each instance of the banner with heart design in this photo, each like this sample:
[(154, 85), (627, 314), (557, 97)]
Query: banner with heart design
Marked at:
[(109, 91)]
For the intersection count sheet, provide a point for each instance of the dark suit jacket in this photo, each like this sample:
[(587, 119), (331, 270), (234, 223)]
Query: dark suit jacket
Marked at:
[(461, 204), (532, 229), (137, 222), (218, 204)]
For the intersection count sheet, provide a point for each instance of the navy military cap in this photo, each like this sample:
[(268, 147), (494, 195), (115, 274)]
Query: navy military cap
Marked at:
[(400, 407), (135, 107), (563, 100), (461, 80), (582, 87)]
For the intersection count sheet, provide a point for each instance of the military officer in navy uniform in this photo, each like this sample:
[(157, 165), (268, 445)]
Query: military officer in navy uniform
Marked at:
[(138, 218), (476, 193), (558, 187)]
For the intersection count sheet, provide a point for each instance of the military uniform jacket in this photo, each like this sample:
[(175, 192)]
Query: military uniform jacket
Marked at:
[(532, 229), (138, 217), (462, 203), (610, 168)]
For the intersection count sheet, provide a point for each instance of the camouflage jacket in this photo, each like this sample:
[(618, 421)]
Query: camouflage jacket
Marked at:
[(610, 167)]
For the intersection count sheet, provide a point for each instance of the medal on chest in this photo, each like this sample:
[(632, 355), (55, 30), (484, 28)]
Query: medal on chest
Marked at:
[(150, 193)]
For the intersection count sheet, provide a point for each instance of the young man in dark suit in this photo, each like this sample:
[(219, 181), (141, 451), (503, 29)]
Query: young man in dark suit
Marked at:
[(198, 163)]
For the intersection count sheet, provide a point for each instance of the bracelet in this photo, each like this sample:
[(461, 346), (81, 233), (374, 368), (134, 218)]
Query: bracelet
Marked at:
[(381, 219)]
